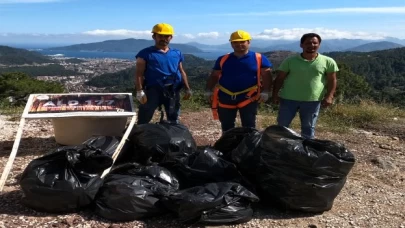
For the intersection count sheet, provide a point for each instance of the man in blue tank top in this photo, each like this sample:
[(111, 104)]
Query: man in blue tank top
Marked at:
[(160, 76)]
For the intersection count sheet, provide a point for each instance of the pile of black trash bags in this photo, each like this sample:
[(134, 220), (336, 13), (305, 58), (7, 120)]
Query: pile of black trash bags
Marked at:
[(161, 170)]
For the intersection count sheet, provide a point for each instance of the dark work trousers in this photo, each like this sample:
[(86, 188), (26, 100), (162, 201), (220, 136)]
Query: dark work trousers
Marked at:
[(227, 116), (157, 96)]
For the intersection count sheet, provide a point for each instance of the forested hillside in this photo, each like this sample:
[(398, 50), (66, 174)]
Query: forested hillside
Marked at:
[(383, 70), (377, 75), (123, 80), (125, 45), (17, 56), (276, 57), (13, 58), (19, 85), (47, 70)]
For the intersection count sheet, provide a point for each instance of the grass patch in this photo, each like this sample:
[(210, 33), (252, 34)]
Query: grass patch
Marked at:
[(342, 117), (337, 118), (13, 113), (196, 103)]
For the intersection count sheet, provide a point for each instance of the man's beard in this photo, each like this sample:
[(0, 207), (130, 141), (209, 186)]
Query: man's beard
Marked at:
[(310, 50), (163, 42), (241, 49)]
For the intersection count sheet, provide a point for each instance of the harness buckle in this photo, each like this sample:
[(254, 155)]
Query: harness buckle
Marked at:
[(233, 97)]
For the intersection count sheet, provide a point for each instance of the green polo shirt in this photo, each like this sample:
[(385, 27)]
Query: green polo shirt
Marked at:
[(306, 80)]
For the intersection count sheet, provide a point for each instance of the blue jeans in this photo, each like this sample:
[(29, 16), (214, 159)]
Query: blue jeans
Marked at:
[(247, 114), (308, 111), (157, 96)]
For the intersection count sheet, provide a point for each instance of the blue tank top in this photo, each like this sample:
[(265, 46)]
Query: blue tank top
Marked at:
[(161, 68)]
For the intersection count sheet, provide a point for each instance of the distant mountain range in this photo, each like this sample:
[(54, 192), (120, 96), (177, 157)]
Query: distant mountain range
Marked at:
[(331, 45), (375, 46), (126, 45), (9, 55)]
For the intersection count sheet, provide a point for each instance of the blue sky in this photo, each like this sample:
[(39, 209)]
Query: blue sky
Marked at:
[(204, 21)]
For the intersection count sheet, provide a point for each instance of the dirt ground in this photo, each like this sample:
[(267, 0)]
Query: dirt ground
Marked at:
[(373, 196)]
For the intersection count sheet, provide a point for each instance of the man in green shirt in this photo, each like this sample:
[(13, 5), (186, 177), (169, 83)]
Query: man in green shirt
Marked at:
[(307, 82)]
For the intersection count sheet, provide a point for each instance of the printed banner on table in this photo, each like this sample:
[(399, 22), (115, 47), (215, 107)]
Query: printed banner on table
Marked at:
[(79, 104)]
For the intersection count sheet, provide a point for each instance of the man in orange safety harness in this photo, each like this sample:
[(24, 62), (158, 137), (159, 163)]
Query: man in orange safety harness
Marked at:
[(239, 81)]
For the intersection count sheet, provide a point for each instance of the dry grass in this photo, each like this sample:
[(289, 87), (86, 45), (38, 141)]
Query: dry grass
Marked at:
[(337, 118), (342, 117)]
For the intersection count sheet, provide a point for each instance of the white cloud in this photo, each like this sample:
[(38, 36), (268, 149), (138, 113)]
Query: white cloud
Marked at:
[(293, 34), (208, 35), (146, 34), (385, 10), (189, 36), (375, 10), (119, 32), (26, 1), (296, 33)]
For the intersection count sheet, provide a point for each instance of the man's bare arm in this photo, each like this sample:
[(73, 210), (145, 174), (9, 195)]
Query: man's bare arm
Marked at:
[(139, 71), (331, 85), (212, 80), (184, 76), (267, 79), (278, 82)]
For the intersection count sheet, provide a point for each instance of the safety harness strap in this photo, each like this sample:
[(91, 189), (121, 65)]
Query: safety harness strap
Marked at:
[(254, 89)]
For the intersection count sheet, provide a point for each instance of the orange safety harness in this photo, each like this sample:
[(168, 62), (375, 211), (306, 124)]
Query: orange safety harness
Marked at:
[(250, 91)]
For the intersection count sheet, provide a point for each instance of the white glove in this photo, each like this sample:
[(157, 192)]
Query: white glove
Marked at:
[(141, 96), (264, 96)]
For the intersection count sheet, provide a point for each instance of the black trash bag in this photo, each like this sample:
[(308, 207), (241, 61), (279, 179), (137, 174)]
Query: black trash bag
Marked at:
[(161, 142), (109, 145), (64, 180), (295, 173), (133, 192), (204, 166), (245, 157), (106, 143), (213, 203), (231, 139), (94, 155)]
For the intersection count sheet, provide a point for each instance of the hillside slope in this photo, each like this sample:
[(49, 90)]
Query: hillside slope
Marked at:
[(125, 45), (382, 69), (17, 56)]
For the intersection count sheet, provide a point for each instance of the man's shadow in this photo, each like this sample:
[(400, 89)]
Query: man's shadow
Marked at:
[(11, 204), (29, 147), (275, 211)]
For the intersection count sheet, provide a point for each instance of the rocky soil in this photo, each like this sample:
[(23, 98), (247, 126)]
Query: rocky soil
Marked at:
[(373, 196)]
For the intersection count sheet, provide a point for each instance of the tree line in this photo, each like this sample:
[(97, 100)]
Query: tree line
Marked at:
[(351, 86), (15, 88), (45, 70), (378, 75)]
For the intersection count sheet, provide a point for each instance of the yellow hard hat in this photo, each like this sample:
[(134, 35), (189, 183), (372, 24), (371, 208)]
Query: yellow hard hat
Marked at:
[(240, 35), (163, 29)]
